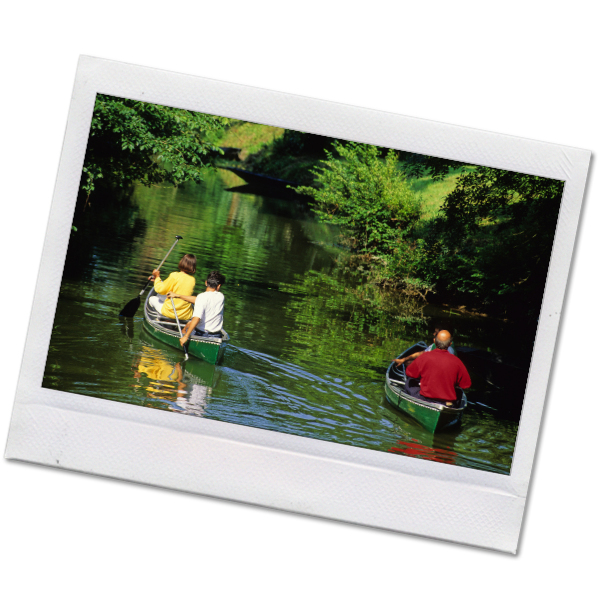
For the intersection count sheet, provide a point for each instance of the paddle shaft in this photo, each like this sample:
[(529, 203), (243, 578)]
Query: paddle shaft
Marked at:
[(177, 238), (179, 327)]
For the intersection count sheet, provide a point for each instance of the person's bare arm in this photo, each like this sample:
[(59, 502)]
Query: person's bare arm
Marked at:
[(408, 359), (190, 299), (187, 330)]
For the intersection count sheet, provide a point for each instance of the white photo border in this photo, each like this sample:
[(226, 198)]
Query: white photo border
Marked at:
[(263, 467)]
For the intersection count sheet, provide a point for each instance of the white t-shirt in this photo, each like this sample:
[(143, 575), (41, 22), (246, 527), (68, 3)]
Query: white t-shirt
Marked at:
[(209, 309)]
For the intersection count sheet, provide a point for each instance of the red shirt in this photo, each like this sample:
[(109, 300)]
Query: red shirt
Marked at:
[(440, 373)]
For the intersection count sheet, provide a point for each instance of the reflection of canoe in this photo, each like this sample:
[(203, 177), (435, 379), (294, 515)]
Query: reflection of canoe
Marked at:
[(210, 349), (201, 372), (433, 416)]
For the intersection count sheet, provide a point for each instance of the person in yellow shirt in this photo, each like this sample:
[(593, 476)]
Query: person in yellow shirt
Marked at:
[(182, 283)]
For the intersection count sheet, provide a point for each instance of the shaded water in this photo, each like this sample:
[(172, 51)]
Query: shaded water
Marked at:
[(309, 344)]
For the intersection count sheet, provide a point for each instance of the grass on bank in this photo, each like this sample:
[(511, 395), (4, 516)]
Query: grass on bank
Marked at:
[(433, 193), (250, 137)]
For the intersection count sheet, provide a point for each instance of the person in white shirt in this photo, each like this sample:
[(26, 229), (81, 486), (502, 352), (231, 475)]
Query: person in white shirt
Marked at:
[(207, 319)]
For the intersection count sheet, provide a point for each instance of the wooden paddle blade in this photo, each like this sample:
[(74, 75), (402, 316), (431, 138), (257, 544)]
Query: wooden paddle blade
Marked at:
[(130, 308)]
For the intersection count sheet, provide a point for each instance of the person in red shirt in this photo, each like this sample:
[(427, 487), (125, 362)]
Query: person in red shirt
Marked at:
[(439, 371)]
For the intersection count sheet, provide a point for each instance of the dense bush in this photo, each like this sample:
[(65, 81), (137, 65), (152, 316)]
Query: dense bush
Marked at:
[(367, 196)]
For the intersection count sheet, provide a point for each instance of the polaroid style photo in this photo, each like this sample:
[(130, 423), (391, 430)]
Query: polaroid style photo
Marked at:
[(298, 304)]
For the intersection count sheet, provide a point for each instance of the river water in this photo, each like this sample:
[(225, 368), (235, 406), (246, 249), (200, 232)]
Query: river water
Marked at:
[(309, 343)]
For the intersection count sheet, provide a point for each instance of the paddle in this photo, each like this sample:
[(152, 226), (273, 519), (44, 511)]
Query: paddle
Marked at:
[(131, 307), (179, 327)]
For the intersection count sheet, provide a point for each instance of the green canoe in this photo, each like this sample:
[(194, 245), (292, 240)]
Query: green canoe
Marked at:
[(210, 349), (433, 416)]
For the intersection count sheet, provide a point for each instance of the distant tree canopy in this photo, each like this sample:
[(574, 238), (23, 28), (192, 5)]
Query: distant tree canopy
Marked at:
[(138, 141)]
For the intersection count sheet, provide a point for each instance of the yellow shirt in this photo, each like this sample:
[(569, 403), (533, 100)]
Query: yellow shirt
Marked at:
[(180, 283)]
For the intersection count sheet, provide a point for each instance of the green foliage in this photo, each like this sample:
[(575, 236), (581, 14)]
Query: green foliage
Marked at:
[(503, 197), (365, 195), (419, 166), (489, 245), (494, 238), (138, 141)]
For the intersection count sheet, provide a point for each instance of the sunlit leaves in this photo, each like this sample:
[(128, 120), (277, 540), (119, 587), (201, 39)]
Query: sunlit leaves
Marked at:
[(138, 141), (366, 195)]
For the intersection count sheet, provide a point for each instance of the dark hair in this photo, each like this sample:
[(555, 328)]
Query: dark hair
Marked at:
[(187, 264), (215, 279), (443, 345)]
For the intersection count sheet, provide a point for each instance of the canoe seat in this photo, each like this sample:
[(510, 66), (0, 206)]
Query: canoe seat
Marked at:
[(162, 319), (397, 373)]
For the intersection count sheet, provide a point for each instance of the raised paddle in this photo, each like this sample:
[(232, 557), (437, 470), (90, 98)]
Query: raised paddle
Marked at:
[(179, 327), (131, 307)]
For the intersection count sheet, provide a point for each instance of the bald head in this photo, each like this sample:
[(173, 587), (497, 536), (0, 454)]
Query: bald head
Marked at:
[(443, 339)]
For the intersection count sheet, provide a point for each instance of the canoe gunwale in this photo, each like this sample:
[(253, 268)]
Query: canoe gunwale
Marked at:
[(434, 406), (169, 328)]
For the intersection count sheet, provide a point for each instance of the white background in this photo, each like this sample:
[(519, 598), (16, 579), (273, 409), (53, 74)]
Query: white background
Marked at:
[(528, 70)]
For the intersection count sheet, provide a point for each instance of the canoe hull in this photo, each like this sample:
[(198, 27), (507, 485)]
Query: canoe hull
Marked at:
[(209, 351), (432, 416)]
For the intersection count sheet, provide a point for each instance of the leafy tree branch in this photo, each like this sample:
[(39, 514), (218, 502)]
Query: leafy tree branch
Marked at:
[(139, 141)]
